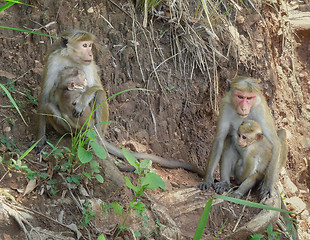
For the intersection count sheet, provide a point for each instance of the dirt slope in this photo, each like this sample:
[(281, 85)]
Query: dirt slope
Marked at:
[(268, 41)]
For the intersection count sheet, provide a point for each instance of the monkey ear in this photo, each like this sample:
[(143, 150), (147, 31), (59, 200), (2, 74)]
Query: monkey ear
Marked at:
[(71, 85), (64, 41), (259, 136)]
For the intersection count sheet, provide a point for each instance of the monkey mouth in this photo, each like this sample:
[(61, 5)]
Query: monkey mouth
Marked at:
[(242, 115), (87, 61)]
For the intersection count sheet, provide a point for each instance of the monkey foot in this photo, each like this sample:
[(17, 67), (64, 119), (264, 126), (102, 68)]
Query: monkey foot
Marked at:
[(236, 194), (221, 187), (205, 185)]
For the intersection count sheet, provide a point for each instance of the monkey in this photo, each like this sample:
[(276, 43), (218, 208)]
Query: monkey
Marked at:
[(244, 101), (254, 155), (71, 84), (73, 49)]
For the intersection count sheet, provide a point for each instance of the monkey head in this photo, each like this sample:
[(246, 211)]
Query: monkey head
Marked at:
[(77, 45), (249, 132)]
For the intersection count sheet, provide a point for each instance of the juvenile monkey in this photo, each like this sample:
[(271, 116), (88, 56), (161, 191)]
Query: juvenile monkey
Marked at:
[(244, 101), (72, 84), (255, 155), (74, 49)]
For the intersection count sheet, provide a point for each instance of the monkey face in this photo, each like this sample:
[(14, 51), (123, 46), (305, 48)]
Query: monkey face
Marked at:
[(81, 52), (242, 140), (243, 102)]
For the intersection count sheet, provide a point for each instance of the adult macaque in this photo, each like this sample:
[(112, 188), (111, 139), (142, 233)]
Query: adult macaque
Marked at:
[(72, 84), (74, 49), (244, 101), (255, 155)]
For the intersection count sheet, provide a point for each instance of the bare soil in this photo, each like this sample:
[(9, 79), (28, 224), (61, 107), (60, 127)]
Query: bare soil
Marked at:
[(176, 121)]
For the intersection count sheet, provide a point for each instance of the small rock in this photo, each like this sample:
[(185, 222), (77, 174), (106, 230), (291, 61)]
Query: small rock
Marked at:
[(295, 204), (90, 10)]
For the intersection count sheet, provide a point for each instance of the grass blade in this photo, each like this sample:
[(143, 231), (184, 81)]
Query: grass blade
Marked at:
[(12, 101)]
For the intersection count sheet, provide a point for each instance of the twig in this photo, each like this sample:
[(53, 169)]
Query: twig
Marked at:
[(71, 193), (241, 213)]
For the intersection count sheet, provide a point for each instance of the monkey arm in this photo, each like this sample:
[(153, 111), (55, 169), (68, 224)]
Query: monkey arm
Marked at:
[(83, 100), (228, 163), (272, 171), (247, 184), (217, 148)]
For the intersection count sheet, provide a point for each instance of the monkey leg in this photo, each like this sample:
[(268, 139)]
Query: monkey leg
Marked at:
[(56, 120), (247, 184), (228, 161)]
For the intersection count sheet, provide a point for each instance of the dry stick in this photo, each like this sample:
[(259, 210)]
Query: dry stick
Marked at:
[(134, 37), (151, 56), (241, 213)]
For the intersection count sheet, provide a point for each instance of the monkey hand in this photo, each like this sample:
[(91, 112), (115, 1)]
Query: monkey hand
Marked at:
[(206, 184), (79, 108), (221, 187)]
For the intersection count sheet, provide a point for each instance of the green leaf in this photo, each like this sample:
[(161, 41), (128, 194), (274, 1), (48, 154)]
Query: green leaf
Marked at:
[(145, 164), (91, 133), (26, 31), (130, 158), (101, 237), (76, 179), (139, 206), (256, 236), (88, 175), (94, 165), (99, 178), (152, 181), (117, 208), (203, 220), (251, 204), (84, 155), (12, 101), (99, 150), (130, 185)]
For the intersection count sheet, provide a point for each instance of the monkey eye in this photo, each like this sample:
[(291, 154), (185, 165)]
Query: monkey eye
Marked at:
[(85, 45), (240, 97), (243, 137), (249, 98)]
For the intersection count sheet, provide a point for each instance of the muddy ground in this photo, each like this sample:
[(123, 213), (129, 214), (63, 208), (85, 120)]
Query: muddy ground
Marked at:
[(269, 41)]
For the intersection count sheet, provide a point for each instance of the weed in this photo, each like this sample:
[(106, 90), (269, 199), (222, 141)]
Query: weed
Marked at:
[(9, 86), (31, 98), (257, 236), (146, 180), (87, 213)]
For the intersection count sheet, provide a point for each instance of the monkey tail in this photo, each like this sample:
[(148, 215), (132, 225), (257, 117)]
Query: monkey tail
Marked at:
[(288, 221), (161, 161)]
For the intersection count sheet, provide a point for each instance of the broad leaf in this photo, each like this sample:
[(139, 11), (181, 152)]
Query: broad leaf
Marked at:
[(152, 181)]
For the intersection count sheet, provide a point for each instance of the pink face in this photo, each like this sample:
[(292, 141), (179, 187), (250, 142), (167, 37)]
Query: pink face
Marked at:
[(244, 103)]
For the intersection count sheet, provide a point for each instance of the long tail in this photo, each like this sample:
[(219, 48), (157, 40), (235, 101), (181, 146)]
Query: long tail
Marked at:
[(161, 161)]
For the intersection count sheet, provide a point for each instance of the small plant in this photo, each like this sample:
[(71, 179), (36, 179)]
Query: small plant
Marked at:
[(87, 213), (31, 98), (146, 180), (52, 186), (257, 236), (272, 234), (9, 86), (207, 209)]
